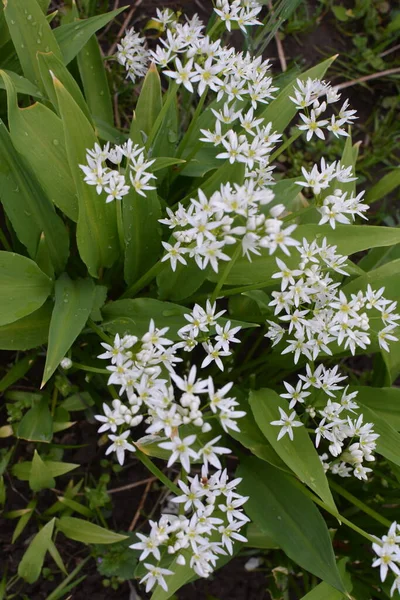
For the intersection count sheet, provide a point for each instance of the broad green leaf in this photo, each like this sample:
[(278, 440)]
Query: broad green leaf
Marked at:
[(324, 591), (40, 477), (251, 436), (384, 186), (348, 239), (37, 424), (95, 82), (282, 110), (384, 401), (149, 103), (78, 401), (299, 454), (181, 283), (23, 470), (39, 128), (30, 211), (51, 66), (88, 533), (73, 304), (388, 442), (23, 287), (279, 509), (142, 233), (133, 316), (30, 33), (72, 37), (167, 137), (32, 561), (256, 538), (29, 332), (22, 85), (161, 162), (182, 574), (96, 230)]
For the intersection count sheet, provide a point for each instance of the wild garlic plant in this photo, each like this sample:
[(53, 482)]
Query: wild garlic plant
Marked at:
[(231, 302)]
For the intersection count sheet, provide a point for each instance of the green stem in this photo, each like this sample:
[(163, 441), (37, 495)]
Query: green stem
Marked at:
[(143, 281), (225, 273), (237, 290), (148, 463), (214, 28), (106, 338), (120, 226), (285, 145), (56, 594), (337, 515), (170, 97), (359, 504), (189, 132), (90, 369)]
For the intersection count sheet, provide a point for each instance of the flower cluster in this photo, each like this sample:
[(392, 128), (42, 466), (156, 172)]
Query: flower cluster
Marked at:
[(133, 54), (165, 404), (115, 183), (335, 425), (307, 97), (231, 214), (318, 314), (202, 326), (387, 550), (243, 13), (213, 522), (333, 207)]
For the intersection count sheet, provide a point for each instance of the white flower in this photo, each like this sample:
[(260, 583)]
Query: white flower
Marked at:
[(209, 453), (286, 422), (120, 445), (148, 545), (181, 450), (66, 363), (155, 575)]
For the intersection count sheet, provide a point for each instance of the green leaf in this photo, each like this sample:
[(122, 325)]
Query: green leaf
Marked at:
[(348, 239), (27, 206), (95, 82), (181, 283), (79, 401), (23, 287), (182, 574), (22, 470), (323, 591), (37, 425), (142, 233), (161, 162), (40, 477), (299, 454), (22, 85), (74, 300), (50, 66), (30, 33), (24, 520), (282, 110), (29, 332), (72, 37), (384, 186), (39, 128), (31, 564), (88, 533), (388, 442), (149, 103), (17, 371), (258, 539), (384, 401), (96, 230), (280, 510), (349, 159)]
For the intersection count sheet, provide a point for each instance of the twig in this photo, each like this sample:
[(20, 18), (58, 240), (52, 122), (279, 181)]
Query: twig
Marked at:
[(130, 486), (140, 507), (390, 50), (124, 26), (347, 84), (279, 45)]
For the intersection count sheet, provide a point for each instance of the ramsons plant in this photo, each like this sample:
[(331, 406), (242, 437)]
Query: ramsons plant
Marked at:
[(220, 294)]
